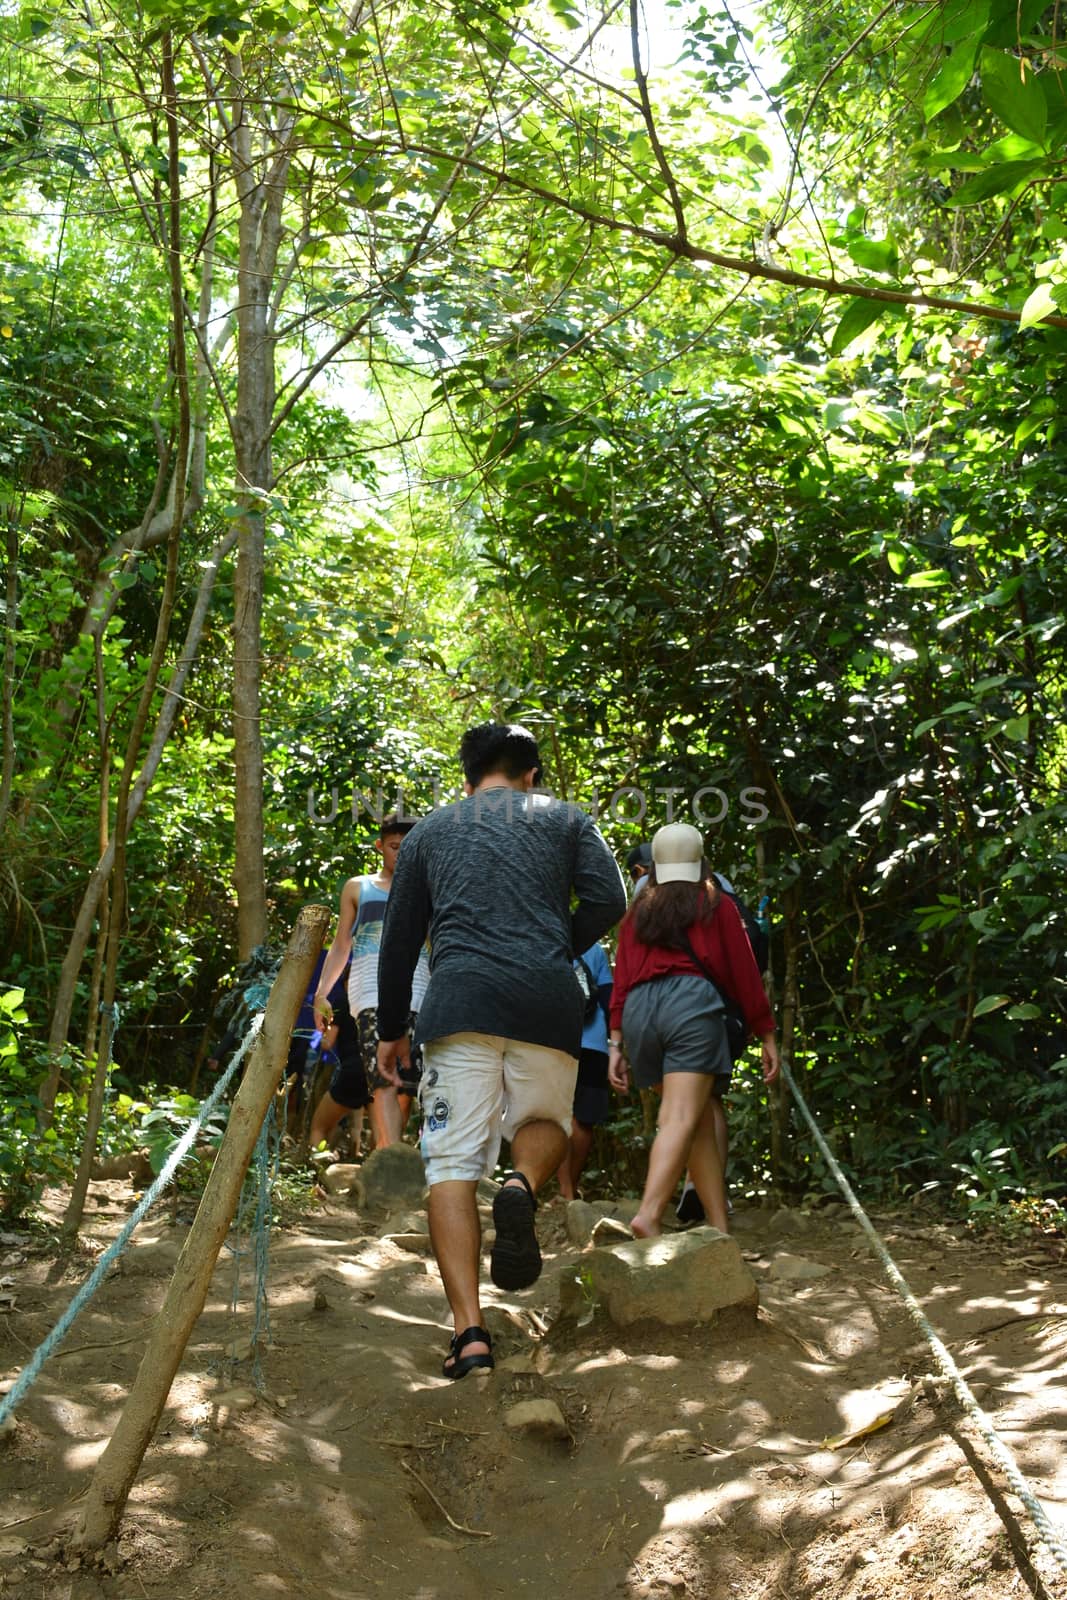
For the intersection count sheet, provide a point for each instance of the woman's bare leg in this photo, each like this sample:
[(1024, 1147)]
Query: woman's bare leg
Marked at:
[(684, 1103), (705, 1167)]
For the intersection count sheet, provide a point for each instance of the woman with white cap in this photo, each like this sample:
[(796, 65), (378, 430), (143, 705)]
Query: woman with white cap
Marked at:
[(682, 945)]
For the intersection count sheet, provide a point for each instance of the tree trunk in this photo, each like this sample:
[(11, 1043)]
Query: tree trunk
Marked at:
[(780, 1101), (7, 717), (119, 1464), (95, 1109), (260, 230), (94, 889)]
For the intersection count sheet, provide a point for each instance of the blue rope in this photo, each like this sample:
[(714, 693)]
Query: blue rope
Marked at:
[(32, 1370), (262, 1174)]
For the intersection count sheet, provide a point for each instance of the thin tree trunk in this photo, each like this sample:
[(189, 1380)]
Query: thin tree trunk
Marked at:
[(11, 602), (260, 231), (98, 878), (780, 1101), (95, 1109)]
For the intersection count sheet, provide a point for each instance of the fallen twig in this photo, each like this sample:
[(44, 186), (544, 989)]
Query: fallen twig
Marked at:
[(48, 1512), (476, 1533), (468, 1433), (101, 1344), (812, 1351)]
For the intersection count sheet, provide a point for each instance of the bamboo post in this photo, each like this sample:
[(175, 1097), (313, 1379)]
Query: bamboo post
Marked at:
[(118, 1466)]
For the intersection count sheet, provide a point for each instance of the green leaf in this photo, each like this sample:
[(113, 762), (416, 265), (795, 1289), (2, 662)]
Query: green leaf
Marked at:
[(836, 413), (856, 318), (877, 255), (991, 1002), (1024, 1013), (932, 578), (1027, 427), (998, 180), (1017, 728), (1039, 303), (952, 77), (1013, 94)]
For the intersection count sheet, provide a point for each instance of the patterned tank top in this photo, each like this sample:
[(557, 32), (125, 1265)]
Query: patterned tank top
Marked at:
[(366, 939)]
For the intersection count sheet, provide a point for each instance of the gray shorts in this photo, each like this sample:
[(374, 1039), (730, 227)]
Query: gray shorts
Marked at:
[(676, 1024)]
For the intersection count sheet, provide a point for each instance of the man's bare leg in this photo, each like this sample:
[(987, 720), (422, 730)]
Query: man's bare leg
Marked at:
[(573, 1164), (456, 1236), (328, 1114), (536, 1151), (684, 1101), (385, 1120)]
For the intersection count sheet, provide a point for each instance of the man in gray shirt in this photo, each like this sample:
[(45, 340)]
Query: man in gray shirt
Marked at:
[(491, 880)]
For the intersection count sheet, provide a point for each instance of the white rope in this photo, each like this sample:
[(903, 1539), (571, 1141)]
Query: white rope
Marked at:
[(1047, 1535)]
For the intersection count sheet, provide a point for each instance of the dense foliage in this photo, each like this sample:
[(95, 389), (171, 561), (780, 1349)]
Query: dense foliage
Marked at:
[(704, 417)]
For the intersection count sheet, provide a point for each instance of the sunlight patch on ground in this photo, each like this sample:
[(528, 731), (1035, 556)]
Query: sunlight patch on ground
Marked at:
[(391, 1314), (80, 1457), (609, 1358), (193, 1447), (695, 1507), (322, 1453)]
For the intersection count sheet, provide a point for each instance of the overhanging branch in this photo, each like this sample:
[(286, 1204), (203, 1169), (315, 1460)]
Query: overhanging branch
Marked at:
[(684, 248)]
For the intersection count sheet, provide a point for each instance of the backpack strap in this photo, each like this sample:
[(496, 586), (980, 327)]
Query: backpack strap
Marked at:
[(736, 1026)]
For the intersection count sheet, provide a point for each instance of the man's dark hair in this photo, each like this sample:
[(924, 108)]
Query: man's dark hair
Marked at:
[(396, 822), (504, 747), (639, 856)]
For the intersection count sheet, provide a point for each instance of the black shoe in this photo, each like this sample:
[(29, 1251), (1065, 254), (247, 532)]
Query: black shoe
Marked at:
[(515, 1259), (690, 1207)]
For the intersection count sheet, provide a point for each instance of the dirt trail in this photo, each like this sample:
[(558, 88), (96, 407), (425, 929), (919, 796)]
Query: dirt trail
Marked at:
[(694, 1463)]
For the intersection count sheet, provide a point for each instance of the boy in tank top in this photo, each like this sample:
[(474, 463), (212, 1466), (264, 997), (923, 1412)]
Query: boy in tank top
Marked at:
[(355, 945)]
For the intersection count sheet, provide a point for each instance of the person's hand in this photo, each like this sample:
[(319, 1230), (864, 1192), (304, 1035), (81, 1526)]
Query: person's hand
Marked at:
[(392, 1055), (323, 1012), (770, 1058), (329, 1036), (618, 1070)]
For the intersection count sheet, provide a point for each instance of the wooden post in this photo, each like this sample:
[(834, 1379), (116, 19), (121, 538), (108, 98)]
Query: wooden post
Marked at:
[(121, 1461)]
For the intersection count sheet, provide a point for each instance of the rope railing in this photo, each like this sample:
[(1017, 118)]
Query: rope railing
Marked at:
[(1046, 1534), (33, 1368)]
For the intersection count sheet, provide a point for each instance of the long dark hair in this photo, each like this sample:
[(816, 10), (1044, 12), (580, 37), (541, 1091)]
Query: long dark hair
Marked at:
[(663, 912)]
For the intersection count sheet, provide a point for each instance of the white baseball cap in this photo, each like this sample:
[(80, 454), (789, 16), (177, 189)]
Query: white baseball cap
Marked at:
[(678, 853)]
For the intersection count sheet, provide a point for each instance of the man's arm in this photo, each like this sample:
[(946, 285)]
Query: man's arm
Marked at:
[(599, 887), (337, 956), (407, 922)]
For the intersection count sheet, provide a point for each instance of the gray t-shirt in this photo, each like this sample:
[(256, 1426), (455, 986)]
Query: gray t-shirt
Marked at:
[(491, 881)]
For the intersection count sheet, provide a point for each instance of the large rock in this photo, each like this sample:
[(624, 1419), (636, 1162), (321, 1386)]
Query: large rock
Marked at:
[(393, 1179), (338, 1177), (581, 1219), (539, 1417), (788, 1268), (676, 1279)]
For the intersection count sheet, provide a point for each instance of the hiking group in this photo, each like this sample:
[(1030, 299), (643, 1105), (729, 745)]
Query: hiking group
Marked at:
[(478, 983)]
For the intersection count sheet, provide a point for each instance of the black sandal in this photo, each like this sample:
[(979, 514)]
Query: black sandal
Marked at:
[(461, 1364), (515, 1261)]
